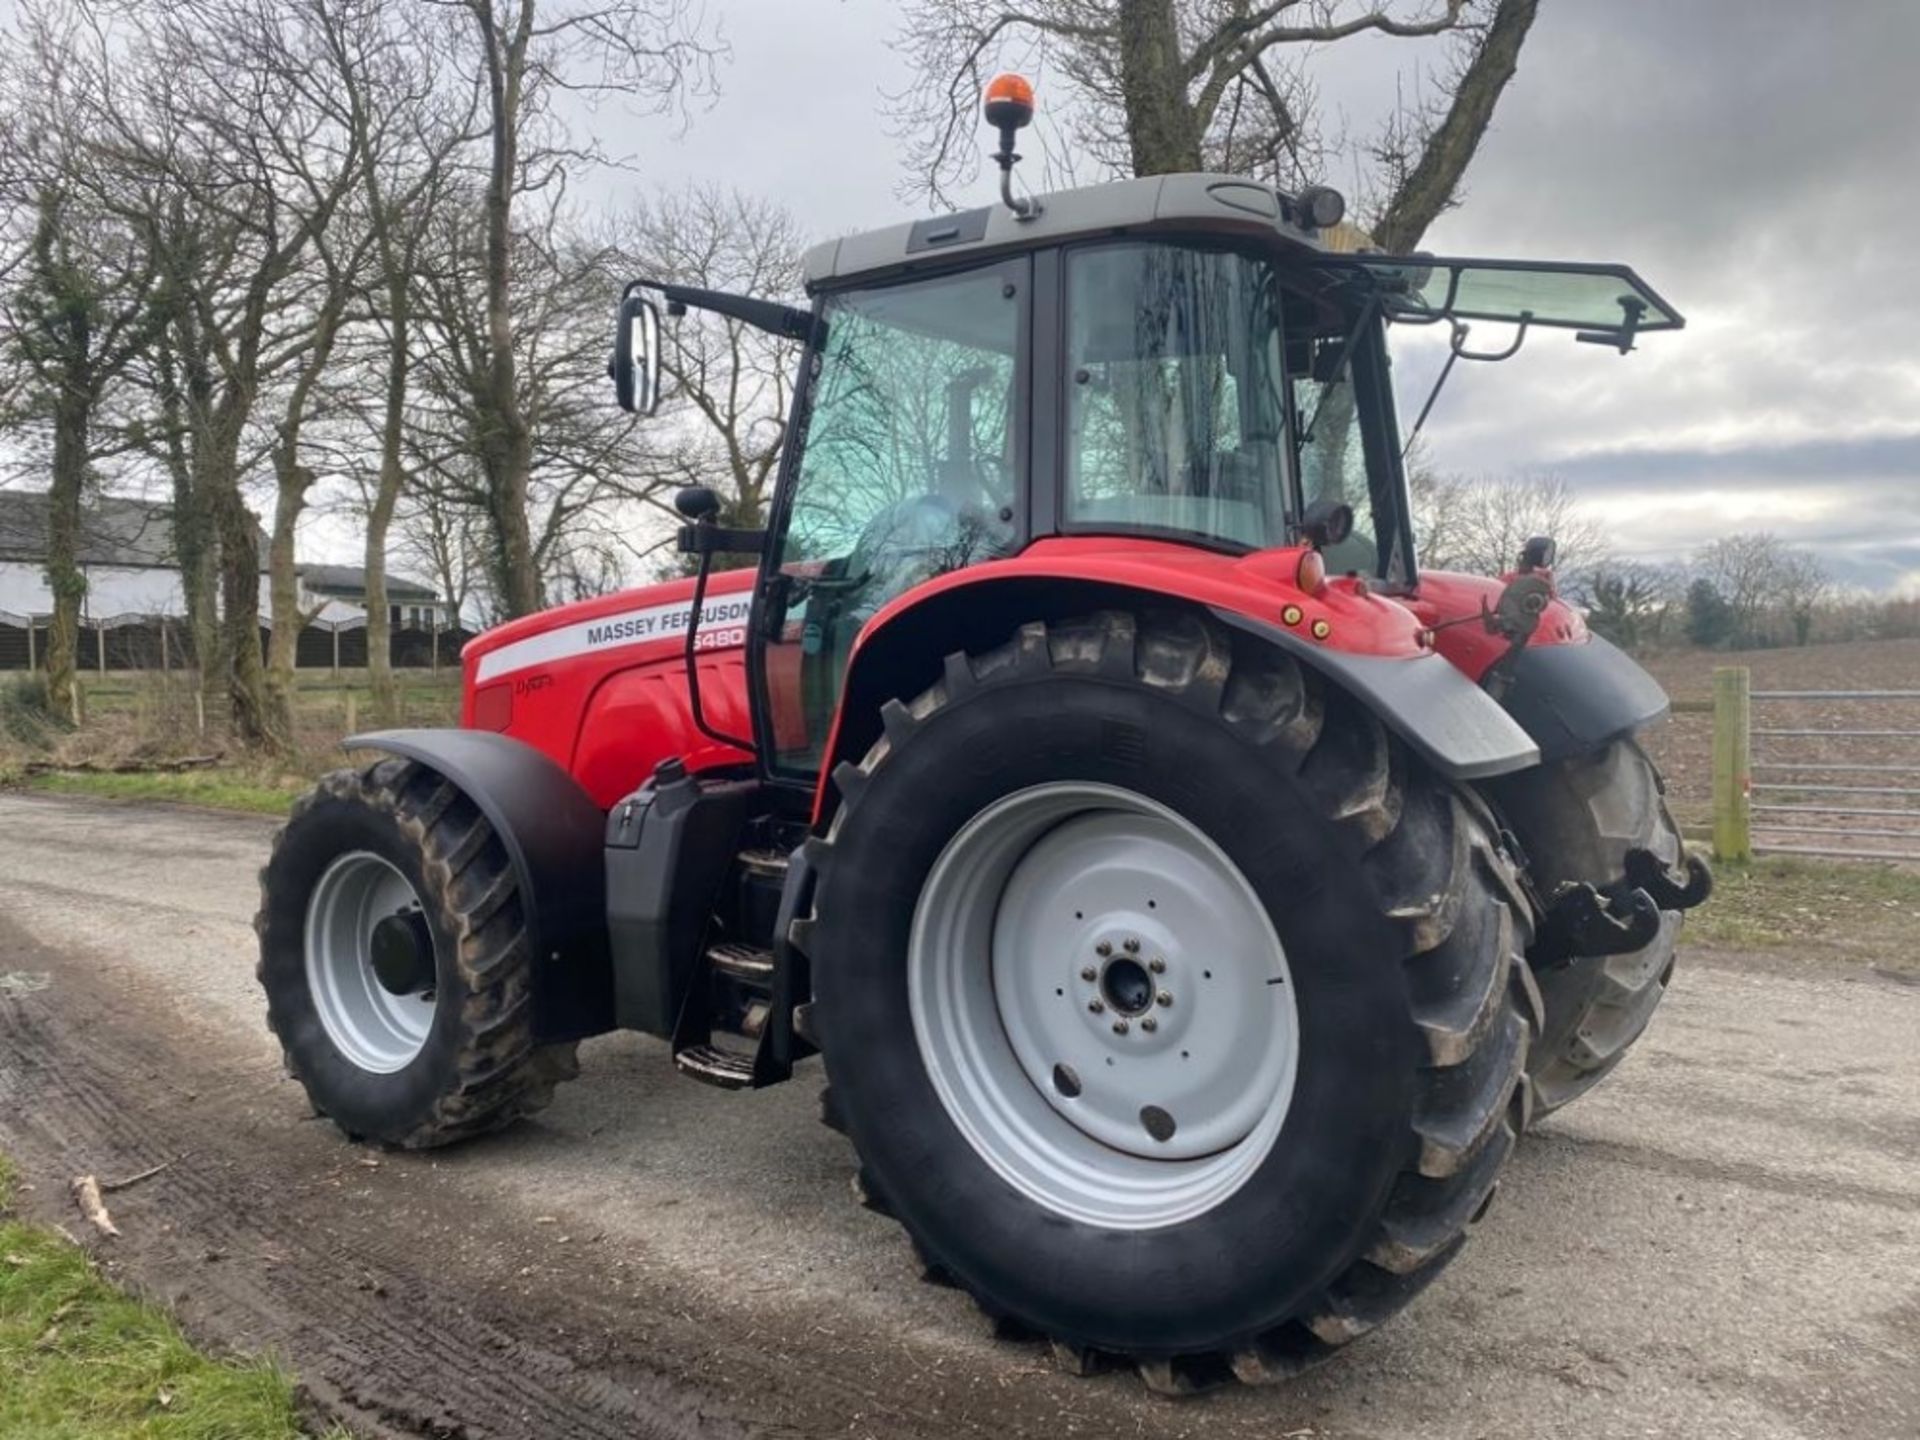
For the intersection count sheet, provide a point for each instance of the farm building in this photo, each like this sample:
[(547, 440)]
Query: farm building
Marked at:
[(126, 552)]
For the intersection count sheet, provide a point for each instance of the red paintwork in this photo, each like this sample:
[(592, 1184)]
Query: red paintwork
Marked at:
[(611, 713), (1445, 596)]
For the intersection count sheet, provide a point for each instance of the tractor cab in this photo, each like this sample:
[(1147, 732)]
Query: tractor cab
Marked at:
[(1177, 366)]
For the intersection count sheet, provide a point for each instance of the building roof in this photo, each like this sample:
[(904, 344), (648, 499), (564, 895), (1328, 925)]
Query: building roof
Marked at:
[(352, 580), (1215, 203), (137, 534)]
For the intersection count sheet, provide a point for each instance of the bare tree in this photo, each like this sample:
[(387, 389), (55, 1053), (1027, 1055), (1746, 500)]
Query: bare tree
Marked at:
[(1478, 524), (84, 306), (728, 383), (1630, 602), (1155, 86), (1758, 576), (439, 537), (581, 453), (393, 73), (213, 109), (649, 51)]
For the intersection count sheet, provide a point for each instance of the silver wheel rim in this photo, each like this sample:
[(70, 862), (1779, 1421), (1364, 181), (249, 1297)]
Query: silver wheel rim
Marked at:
[(376, 1029), (1029, 943)]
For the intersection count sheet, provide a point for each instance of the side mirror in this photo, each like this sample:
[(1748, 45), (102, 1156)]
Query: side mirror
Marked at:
[(635, 367)]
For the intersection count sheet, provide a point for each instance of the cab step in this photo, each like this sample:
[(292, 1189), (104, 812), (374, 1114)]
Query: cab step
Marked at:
[(711, 1065), (749, 964)]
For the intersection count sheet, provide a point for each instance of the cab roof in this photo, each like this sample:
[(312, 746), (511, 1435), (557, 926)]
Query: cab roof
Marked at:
[(1223, 204)]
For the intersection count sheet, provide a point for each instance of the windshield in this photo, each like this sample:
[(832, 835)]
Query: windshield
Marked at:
[(1176, 417), (1608, 299)]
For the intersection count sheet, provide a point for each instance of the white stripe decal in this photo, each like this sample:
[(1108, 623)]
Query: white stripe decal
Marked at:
[(721, 618)]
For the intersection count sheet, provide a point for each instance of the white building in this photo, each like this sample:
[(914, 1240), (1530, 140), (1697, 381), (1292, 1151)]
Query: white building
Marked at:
[(125, 551), (338, 593)]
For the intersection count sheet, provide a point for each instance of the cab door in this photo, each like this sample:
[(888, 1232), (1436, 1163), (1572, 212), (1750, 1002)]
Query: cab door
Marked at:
[(912, 461)]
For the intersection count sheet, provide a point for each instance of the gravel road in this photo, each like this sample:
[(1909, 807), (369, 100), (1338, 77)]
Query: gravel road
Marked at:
[(1723, 1241)]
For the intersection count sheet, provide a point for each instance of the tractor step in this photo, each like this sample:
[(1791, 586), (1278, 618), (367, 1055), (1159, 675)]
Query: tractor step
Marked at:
[(749, 964), (710, 1065)]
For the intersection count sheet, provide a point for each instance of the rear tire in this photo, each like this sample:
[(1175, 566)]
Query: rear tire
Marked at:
[(430, 1048), (1400, 924), (1576, 819)]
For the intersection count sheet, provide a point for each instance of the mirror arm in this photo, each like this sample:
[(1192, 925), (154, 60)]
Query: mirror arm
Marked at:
[(786, 321)]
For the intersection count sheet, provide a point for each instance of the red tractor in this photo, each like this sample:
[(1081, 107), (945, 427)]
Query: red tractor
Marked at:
[(1191, 898)]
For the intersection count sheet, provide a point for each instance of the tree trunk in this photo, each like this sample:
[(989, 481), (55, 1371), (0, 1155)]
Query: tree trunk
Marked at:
[(393, 475), (1429, 188), (64, 576), (508, 446), (240, 613), (283, 587), (1163, 131)]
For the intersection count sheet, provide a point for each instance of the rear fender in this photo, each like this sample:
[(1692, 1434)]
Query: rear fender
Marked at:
[(1448, 720), (553, 834)]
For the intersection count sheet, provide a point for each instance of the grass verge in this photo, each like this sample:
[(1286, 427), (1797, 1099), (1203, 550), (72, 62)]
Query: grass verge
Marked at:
[(81, 1361), (214, 789), (1821, 909)]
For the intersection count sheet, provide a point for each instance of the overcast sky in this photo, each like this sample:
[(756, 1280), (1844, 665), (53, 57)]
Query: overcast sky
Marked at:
[(1754, 160)]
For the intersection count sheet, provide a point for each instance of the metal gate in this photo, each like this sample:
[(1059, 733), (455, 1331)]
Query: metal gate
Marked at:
[(1830, 773)]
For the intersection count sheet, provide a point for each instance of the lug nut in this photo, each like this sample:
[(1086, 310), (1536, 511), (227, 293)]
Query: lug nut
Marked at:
[(1119, 1027), (1103, 949), (1157, 965), (1165, 997), (1149, 1024), (1087, 972), (1132, 945), (1096, 1005)]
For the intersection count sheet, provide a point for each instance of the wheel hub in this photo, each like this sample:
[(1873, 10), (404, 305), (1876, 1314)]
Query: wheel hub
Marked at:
[(400, 951), (1104, 1004), (370, 962), (1126, 986)]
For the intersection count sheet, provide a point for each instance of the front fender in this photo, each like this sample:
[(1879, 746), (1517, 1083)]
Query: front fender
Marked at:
[(1573, 699), (1450, 722), (554, 836)]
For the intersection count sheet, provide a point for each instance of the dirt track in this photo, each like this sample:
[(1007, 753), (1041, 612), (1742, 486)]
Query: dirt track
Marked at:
[(1725, 1241)]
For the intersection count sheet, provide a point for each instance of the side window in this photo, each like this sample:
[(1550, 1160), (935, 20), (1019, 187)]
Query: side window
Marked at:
[(1346, 437), (911, 468), (911, 437), (1175, 417)]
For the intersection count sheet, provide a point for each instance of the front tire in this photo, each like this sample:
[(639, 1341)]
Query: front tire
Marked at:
[(396, 962), (1340, 918), (1576, 820)]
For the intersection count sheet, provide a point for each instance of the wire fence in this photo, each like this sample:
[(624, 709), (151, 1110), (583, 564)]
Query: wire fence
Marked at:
[(165, 643), (1828, 773)]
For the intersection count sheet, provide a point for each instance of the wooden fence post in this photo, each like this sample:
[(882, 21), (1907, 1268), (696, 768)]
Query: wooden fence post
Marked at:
[(353, 719), (1732, 763), (33, 661)]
